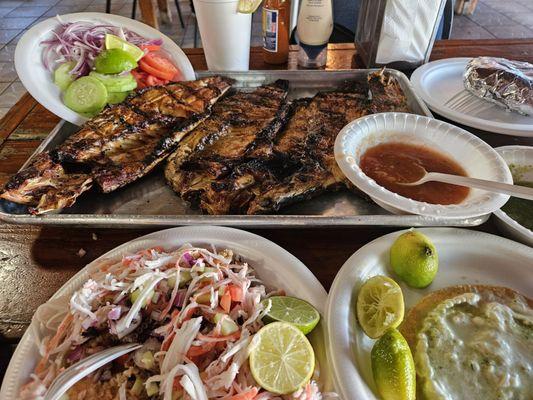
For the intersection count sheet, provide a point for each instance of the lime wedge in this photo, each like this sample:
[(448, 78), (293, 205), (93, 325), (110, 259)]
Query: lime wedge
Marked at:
[(114, 42), (281, 358), (248, 6), (292, 310), (380, 305), (393, 367)]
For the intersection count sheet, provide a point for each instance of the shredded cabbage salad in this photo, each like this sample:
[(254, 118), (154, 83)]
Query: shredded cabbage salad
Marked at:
[(82, 41), (193, 310)]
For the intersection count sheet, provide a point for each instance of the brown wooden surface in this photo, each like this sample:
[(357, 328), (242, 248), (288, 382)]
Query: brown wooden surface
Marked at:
[(149, 13), (35, 262)]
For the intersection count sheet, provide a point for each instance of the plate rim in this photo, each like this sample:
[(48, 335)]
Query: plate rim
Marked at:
[(503, 128), (363, 390), (21, 58), (182, 235)]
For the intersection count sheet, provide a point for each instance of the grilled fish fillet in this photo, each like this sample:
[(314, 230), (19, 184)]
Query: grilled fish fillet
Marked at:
[(294, 162), (45, 186), (119, 145), (237, 130)]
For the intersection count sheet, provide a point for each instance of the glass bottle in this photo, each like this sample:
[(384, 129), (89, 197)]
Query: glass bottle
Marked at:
[(276, 25)]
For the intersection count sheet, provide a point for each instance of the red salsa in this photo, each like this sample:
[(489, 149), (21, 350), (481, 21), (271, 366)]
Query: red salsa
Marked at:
[(391, 163)]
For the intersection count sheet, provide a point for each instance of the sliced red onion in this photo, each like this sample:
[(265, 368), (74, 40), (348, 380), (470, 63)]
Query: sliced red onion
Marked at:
[(82, 41), (114, 313), (180, 297), (190, 259), (75, 354)]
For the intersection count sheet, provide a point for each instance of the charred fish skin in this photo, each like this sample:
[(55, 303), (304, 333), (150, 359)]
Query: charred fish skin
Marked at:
[(245, 122)]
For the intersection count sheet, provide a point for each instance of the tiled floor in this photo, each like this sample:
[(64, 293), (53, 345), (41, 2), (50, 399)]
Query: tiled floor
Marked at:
[(492, 19)]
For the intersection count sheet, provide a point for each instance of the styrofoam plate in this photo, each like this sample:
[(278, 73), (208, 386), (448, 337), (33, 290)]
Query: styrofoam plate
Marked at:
[(438, 81), (465, 256), (275, 266), (521, 156), (39, 81)]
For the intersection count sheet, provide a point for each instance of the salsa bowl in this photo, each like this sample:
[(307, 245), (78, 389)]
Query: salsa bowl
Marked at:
[(476, 157)]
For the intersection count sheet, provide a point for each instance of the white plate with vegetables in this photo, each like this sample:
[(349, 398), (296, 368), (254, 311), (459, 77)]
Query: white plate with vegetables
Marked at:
[(464, 258), (75, 64), (196, 298)]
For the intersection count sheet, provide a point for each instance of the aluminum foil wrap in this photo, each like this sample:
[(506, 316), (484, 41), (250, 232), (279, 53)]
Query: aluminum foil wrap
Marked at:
[(504, 82)]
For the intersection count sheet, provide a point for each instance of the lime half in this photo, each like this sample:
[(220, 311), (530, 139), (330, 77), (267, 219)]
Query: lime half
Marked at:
[(281, 358), (393, 367), (380, 305), (248, 6), (114, 42), (292, 310), (114, 61)]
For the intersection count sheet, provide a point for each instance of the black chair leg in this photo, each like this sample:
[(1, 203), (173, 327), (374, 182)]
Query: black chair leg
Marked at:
[(134, 9), (179, 14), (108, 6)]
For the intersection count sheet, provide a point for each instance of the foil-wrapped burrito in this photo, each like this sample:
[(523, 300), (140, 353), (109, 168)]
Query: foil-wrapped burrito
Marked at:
[(504, 82)]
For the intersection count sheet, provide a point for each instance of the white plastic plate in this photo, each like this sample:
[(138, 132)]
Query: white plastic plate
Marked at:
[(521, 156), (39, 81), (477, 158), (276, 267), (464, 257), (438, 81)]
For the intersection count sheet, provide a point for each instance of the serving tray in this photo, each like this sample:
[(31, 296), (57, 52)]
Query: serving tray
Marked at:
[(150, 202)]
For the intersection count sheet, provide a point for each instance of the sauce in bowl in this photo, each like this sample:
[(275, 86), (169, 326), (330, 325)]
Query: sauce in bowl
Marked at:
[(392, 163)]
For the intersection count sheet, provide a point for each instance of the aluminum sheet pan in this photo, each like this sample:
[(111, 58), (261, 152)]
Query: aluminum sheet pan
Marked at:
[(150, 202)]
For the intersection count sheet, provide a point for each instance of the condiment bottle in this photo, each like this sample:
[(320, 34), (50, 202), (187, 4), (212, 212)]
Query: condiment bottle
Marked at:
[(276, 25), (314, 27)]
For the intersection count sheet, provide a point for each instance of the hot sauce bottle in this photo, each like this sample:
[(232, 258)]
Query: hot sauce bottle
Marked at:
[(276, 26)]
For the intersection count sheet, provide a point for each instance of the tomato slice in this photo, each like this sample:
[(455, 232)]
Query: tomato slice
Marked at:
[(168, 75), (154, 81), (150, 47), (159, 62)]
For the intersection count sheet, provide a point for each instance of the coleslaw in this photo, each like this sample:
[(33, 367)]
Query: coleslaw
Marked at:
[(194, 310)]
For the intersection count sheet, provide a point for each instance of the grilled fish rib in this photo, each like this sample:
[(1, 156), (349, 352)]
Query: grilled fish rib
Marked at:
[(119, 145), (237, 129)]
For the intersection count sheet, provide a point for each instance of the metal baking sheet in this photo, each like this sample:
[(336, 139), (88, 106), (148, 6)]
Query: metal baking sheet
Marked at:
[(150, 202)]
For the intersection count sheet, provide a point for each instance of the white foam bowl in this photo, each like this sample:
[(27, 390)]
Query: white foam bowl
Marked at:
[(520, 156), (477, 158)]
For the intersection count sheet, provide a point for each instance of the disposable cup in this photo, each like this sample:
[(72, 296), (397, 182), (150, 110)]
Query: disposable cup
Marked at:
[(225, 34)]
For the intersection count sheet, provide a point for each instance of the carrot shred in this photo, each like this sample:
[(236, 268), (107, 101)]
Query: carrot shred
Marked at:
[(246, 395)]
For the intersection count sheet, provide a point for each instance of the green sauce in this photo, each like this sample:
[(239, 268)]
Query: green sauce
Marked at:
[(519, 209)]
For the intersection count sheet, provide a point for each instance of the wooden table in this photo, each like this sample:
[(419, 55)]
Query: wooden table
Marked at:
[(35, 262)]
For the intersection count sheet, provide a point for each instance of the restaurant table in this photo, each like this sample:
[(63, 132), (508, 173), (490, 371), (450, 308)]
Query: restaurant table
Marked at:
[(36, 261)]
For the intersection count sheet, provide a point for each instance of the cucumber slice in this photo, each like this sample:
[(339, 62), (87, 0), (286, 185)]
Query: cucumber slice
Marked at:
[(86, 95), (116, 97), (116, 83), (62, 76)]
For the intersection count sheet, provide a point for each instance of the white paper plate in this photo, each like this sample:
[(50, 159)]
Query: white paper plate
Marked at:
[(478, 159), (274, 265), (39, 81), (520, 156), (438, 81), (464, 257)]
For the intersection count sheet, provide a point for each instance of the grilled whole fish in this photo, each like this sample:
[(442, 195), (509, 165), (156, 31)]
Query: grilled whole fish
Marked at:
[(294, 162), (119, 145), (238, 129)]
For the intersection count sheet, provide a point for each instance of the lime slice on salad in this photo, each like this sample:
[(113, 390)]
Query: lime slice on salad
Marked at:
[(114, 61), (86, 95), (281, 358), (380, 305), (114, 42), (248, 6), (292, 310)]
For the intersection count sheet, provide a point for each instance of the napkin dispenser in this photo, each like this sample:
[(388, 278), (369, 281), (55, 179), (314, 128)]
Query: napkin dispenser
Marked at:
[(397, 33)]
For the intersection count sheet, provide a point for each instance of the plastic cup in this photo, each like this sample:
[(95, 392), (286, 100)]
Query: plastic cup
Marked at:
[(225, 34)]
